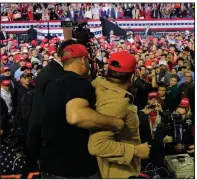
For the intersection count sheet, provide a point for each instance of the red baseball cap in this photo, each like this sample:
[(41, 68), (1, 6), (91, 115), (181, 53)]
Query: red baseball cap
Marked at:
[(33, 42), (45, 40), (148, 64), (75, 50), (18, 58), (5, 83), (27, 65), (184, 103), (152, 95), (3, 58), (126, 60), (5, 69), (52, 50)]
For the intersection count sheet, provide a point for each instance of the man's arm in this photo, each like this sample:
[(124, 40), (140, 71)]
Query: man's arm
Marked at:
[(104, 144), (80, 114)]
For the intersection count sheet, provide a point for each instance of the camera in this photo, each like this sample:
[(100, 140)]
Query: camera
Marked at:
[(80, 31), (83, 35)]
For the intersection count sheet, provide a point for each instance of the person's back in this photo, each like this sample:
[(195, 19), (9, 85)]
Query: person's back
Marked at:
[(114, 101), (47, 74), (118, 155), (64, 151), (51, 72)]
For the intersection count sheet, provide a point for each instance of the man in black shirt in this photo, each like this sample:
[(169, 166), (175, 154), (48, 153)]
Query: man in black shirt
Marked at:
[(69, 102), (51, 72)]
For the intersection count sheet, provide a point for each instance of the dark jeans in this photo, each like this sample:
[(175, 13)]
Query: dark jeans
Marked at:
[(51, 176)]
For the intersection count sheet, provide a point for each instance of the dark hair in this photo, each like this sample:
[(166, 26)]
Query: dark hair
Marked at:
[(164, 55), (180, 59), (63, 45), (175, 76), (141, 67), (121, 76), (162, 85), (146, 55)]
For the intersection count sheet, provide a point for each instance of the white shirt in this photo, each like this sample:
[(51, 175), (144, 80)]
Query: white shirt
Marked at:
[(7, 97), (131, 40), (147, 31)]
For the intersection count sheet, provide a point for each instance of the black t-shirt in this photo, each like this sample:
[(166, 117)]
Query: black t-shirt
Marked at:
[(65, 147)]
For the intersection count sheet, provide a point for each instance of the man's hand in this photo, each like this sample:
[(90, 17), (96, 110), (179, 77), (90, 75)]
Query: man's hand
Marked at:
[(142, 151), (168, 139), (191, 149), (158, 107), (153, 73)]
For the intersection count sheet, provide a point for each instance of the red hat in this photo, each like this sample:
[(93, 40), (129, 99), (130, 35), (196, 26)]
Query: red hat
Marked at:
[(150, 38), (75, 50), (27, 65), (3, 58), (51, 41), (4, 69), (126, 60), (5, 83), (18, 58), (184, 103), (42, 46), (45, 40), (52, 50), (33, 42), (152, 95), (148, 64)]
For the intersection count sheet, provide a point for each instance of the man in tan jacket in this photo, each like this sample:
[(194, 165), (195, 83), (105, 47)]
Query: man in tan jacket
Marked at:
[(118, 155)]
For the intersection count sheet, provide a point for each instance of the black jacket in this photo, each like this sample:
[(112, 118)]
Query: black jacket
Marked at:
[(2, 37), (51, 72), (21, 91), (32, 33), (149, 33)]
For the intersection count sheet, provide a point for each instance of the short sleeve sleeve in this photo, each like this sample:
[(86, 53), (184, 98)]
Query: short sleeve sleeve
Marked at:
[(81, 88)]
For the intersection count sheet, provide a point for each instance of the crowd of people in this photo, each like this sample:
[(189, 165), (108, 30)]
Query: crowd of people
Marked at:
[(147, 77), (79, 11)]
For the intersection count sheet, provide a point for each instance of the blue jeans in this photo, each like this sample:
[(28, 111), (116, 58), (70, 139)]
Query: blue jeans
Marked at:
[(51, 176)]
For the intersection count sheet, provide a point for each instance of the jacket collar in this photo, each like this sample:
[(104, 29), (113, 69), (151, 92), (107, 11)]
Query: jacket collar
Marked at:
[(111, 86)]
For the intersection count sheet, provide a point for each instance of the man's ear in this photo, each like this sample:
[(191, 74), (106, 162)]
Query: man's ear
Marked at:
[(83, 60)]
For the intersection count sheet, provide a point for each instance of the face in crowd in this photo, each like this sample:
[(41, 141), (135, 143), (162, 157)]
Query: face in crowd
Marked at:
[(174, 71), (182, 111), (11, 58), (21, 63), (153, 101), (44, 63), (188, 77), (34, 53), (152, 55), (25, 80), (173, 82), (162, 91), (143, 71), (7, 73)]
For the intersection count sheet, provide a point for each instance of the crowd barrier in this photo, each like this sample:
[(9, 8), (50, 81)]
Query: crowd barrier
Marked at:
[(96, 27)]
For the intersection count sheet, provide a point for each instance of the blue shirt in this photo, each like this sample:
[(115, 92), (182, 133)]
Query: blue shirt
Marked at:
[(18, 74), (182, 80)]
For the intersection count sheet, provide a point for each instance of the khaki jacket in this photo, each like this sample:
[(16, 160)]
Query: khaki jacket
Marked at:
[(115, 152)]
